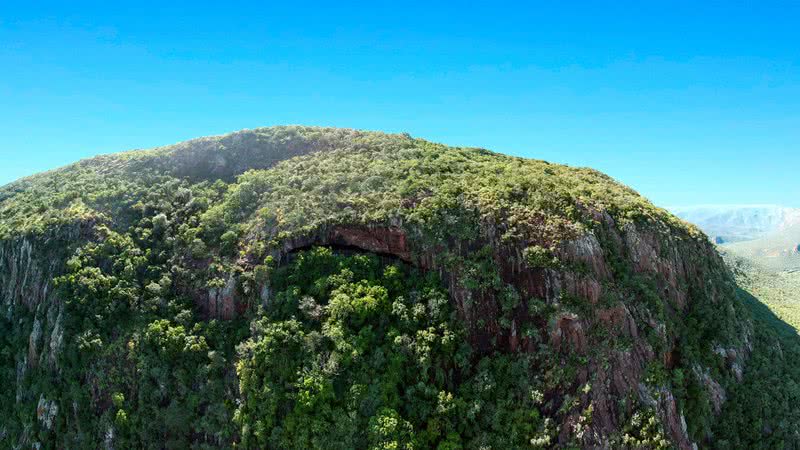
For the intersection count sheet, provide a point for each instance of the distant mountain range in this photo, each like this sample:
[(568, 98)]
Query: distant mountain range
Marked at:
[(768, 234), (734, 223)]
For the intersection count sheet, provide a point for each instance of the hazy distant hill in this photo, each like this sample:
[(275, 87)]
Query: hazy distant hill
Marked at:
[(779, 250), (766, 234), (734, 223)]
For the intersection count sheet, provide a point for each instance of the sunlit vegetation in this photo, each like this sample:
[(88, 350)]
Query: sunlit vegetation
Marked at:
[(778, 289)]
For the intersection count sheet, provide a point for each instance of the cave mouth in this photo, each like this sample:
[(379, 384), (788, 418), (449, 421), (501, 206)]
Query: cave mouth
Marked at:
[(388, 243), (346, 250)]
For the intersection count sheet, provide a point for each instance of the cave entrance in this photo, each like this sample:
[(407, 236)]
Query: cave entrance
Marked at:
[(388, 243)]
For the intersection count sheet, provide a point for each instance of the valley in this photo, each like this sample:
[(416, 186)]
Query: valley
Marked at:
[(777, 289)]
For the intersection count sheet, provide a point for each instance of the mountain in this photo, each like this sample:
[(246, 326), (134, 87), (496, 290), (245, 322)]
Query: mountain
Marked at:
[(300, 287), (739, 223)]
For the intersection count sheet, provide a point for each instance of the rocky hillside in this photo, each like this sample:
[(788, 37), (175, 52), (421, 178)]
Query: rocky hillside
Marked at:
[(297, 287)]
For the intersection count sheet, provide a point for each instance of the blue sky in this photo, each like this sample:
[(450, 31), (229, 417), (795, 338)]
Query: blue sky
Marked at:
[(686, 103)]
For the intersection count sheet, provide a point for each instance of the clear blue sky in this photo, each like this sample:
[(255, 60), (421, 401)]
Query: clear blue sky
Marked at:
[(686, 103)]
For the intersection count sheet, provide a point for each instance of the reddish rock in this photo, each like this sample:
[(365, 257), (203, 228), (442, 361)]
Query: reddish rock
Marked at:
[(586, 251), (618, 321), (222, 303), (582, 287), (568, 334), (674, 422), (382, 240)]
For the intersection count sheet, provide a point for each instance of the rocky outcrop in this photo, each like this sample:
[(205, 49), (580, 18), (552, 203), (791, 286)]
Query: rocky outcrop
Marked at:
[(673, 420), (226, 302), (46, 412), (222, 301), (568, 334), (383, 240), (25, 275), (28, 266), (380, 239), (716, 392)]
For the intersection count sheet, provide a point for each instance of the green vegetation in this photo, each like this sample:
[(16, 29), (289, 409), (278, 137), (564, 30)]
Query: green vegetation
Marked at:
[(778, 290), (762, 410), (178, 298), (366, 177), (136, 358), (356, 354)]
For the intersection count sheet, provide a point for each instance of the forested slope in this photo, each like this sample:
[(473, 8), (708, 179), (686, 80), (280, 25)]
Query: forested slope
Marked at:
[(298, 287)]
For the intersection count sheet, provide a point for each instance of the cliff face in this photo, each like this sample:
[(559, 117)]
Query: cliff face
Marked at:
[(32, 313), (29, 299), (617, 342), (120, 304)]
